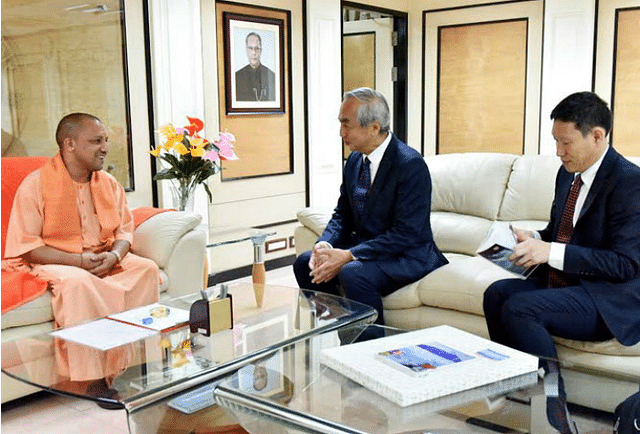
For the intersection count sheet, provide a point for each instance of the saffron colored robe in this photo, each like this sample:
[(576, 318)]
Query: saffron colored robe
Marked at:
[(78, 295)]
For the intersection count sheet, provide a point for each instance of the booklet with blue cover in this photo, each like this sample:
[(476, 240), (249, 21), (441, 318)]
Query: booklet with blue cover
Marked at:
[(498, 248), (422, 358)]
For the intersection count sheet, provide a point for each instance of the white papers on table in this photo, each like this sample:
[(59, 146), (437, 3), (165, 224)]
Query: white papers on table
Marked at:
[(142, 317), (103, 334)]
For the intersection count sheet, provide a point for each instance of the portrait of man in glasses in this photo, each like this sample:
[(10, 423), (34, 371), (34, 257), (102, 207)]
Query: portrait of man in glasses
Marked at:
[(255, 82)]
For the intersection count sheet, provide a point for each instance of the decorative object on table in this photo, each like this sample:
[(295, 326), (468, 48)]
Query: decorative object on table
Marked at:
[(192, 159), (210, 316), (177, 349), (258, 270)]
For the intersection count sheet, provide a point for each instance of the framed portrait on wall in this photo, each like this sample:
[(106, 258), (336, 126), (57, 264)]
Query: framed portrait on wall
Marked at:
[(254, 64)]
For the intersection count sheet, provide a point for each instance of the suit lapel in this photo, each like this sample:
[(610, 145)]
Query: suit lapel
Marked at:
[(358, 170), (386, 164), (563, 194), (600, 180)]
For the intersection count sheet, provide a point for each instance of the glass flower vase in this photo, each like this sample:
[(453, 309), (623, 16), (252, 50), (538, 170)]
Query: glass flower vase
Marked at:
[(183, 194)]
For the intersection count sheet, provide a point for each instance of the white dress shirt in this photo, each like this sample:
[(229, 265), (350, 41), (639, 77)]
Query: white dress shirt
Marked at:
[(376, 156)]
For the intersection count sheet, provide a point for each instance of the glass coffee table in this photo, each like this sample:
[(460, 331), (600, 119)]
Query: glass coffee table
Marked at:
[(142, 373), (306, 396)]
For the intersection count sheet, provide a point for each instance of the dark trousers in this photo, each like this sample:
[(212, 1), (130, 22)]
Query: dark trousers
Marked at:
[(524, 314), (361, 281)]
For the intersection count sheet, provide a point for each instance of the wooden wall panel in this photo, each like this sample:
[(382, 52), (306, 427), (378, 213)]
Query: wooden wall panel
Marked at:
[(481, 87), (358, 65), (626, 127), (359, 61)]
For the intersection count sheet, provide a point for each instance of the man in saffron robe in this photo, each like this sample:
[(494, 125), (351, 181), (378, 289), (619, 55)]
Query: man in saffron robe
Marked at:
[(70, 224)]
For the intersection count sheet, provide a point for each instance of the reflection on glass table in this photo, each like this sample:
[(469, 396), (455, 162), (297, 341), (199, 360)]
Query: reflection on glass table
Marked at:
[(318, 399), (142, 372)]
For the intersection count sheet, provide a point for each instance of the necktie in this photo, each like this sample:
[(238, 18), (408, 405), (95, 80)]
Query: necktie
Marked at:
[(565, 230), (362, 187)]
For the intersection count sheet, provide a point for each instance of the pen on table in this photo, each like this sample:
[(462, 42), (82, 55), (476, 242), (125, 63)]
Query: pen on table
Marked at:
[(224, 290)]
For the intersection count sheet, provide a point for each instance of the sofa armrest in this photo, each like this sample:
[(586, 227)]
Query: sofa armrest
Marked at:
[(313, 221), (156, 237), (185, 266), (172, 241), (305, 239)]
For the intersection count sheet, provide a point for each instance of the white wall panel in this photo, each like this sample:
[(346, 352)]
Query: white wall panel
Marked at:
[(568, 58), (324, 97)]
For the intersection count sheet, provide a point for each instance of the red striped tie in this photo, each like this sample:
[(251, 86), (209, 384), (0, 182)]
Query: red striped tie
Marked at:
[(558, 278)]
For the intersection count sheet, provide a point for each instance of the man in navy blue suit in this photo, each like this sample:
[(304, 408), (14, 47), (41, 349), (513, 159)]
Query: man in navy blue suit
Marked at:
[(588, 286), (379, 238)]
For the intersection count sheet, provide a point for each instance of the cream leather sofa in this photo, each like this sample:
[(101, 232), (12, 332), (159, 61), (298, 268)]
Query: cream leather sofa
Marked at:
[(470, 191), (171, 239)]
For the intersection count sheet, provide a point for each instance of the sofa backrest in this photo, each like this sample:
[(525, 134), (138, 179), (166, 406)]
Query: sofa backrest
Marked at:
[(469, 183), (471, 190), (14, 170), (634, 160), (530, 190)]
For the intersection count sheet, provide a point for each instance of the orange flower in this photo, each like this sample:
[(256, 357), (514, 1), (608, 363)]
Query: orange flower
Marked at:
[(194, 126)]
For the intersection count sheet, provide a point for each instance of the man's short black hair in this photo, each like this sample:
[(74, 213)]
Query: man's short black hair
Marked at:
[(586, 110), (68, 125)]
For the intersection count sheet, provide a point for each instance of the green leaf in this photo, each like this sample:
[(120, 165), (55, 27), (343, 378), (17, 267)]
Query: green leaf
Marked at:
[(166, 174), (206, 188), (171, 159)]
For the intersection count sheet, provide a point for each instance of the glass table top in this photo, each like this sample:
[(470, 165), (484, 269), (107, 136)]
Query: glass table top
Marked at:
[(303, 395), (266, 317)]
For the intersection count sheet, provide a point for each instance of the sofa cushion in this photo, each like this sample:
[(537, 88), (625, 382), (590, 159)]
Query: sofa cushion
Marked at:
[(458, 233), (530, 189), (611, 347), (531, 225), (34, 312), (469, 183), (404, 298), (460, 284)]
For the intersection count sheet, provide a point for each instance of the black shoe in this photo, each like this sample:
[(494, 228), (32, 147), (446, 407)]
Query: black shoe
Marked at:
[(559, 416), (110, 405), (101, 391)]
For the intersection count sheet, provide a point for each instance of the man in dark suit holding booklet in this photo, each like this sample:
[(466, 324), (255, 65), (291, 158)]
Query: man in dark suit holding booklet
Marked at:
[(587, 287)]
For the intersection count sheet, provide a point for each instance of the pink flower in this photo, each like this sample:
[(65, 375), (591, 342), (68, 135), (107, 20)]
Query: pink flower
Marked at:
[(225, 147), (211, 156)]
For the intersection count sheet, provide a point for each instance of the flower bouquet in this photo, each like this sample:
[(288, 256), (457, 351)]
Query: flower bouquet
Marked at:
[(192, 159)]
